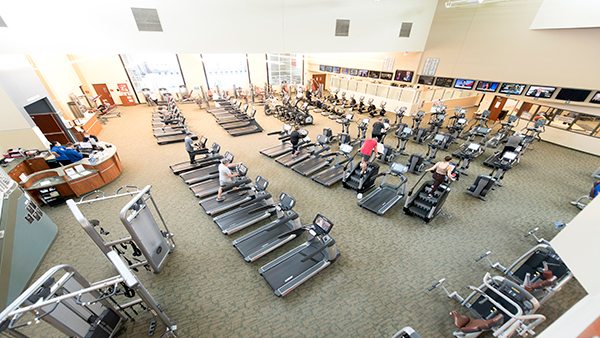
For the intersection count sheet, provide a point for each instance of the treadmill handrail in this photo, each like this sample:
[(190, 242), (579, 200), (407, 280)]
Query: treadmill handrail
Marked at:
[(257, 209), (237, 184), (236, 190), (280, 221), (318, 250), (293, 232), (256, 199)]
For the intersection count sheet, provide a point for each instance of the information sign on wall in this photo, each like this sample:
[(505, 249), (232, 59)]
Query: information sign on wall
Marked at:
[(430, 66)]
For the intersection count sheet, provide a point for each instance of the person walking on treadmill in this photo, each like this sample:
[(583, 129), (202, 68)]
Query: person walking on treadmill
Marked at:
[(442, 169), (378, 130), (295, 139), (191, 148), (225, 176), (367, 149)]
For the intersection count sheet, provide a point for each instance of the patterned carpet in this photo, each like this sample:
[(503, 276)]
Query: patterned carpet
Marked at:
[(379, 283)]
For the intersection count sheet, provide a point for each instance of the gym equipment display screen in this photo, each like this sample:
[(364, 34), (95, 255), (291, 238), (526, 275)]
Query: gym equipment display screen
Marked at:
[(464, 84), (363, 73), (323, 223), (386, 76), (403, 75), (444, 82), (512, 88), (353, 72), (486, 86), (595, 98), (336, 70), (575, 95), (374, 74), (537, 91), (425, 80), (329, 69), (322, 68)]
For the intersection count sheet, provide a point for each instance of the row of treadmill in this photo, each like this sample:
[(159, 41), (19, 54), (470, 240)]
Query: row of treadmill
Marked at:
[(236, 119), (168, 123), (247, 203)]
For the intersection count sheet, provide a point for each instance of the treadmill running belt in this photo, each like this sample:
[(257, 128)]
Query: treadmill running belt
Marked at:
[(376, 202), (292, 267)]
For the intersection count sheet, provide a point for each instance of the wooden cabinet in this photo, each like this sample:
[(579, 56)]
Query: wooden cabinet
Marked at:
[(37, 164)]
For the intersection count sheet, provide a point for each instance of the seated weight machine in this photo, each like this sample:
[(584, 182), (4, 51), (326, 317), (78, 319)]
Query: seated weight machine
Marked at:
[(146, 239)]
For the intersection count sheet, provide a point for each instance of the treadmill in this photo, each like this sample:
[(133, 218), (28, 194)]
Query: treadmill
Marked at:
[(251, 212), (281, 148), (253, 128), (231, 115), (210, 187), (335, 174), (266, 239), (303, 153), (293, 268), (205, 173), (211, 157), (233, 198), (243, 121), (173, 138), (387, 195), (317, 162)]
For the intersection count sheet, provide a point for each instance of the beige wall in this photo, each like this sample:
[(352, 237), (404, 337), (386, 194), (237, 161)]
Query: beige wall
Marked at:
[(258, 69), (102, 69), (193, 72), (494, 42)]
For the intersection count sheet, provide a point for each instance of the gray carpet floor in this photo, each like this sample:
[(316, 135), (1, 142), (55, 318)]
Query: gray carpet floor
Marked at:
[(379, 283)]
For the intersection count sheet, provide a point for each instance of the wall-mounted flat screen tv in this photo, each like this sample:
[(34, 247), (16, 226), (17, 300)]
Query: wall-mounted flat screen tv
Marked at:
[(444, 82), (464, 84), (353, 72), (486, 86), (403, 75), (363, 73), (512, 88), (373, 74), (425, 80), (386, 76), (539, 91), (329, 69), (336, 70), (322, 68), (575, 95), (345, 70), (595, 98)]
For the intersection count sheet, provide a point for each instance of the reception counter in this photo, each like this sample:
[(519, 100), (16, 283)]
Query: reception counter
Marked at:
[(77, 178)]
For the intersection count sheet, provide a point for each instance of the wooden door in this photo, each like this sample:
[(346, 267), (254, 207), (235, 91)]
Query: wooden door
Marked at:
[(496, 107), (526, 106), (318, 79), (51, 126), (102, 90)]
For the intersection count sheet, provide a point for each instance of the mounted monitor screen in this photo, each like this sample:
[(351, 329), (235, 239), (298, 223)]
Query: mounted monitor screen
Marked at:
[(512, 88), (386, 75), (596, 98), (403, 75), (575, 95), (444, 82), (336, 70), (374, 74), (329, 69), (486, 86), (322, 68), (464, 84), (353, 72), (345, 70), (363, 73), (538, 91), (426, 80)]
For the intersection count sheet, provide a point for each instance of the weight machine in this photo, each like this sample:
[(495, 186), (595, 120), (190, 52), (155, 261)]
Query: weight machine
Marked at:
[(147, 239)]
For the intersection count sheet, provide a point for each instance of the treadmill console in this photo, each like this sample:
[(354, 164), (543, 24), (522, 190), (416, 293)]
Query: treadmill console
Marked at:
[(509, 156), (322, 225), (398, 168), (286, 201), (474, 146), (261, 183), (242, 170), (420, 113), (228, 156), (407, 130), (439, 137), (346, 148)]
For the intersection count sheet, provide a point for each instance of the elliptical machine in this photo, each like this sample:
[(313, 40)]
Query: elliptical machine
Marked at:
[(457, 123), (374, 111), (504, 131), (420, 133)]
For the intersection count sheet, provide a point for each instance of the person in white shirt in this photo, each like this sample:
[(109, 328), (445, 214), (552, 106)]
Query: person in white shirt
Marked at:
[(225, 176)]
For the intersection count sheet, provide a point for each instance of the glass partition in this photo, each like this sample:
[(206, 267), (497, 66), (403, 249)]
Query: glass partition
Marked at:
[(371, 89), (468, 93), (438, 94), (382, 91), (352, 85), (344, 84), (428, 95), (361, 87), (407, 96), (335, 82), (586, 124), (563, 119), (448, 94)]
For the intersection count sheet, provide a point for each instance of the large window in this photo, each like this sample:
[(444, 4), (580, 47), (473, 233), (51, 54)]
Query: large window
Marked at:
[(226, 70), (153, 71), (285, 68)]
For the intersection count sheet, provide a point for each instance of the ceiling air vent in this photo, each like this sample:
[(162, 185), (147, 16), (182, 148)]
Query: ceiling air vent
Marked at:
[(147, 19), (2, 23), (405, 29), (342, 27)]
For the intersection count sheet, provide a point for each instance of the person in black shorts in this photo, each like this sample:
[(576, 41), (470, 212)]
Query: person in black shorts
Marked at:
[(295, 140), (378, 130)]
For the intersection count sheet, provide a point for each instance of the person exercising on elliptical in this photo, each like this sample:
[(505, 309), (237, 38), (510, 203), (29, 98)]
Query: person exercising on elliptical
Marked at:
[(442, 169), (378, 130), (367, 149)]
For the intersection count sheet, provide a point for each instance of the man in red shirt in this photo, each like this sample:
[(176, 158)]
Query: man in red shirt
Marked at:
[(367, 149)]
